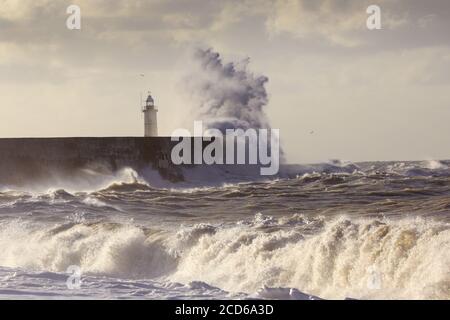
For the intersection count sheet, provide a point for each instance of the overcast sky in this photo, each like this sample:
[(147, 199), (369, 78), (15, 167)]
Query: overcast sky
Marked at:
[(366, 95)]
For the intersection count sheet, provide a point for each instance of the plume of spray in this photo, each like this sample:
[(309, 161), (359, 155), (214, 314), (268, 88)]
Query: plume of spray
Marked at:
[(227, 95)]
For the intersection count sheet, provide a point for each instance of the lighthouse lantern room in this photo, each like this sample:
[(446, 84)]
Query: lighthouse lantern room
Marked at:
[(150, 118)]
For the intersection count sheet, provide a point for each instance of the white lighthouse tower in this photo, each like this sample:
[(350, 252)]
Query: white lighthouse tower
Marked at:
[(150, 118)]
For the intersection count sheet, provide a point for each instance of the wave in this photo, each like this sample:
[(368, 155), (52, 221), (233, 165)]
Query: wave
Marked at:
[(329, 258), (79, 181), (431, 168), (102, 248), (128, 179), (343, 258), (436, 165)]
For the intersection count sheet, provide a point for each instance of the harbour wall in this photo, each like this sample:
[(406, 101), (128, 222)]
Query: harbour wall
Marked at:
[(22, 159)]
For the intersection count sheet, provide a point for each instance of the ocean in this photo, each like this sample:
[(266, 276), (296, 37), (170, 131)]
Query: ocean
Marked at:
[(336, 230)]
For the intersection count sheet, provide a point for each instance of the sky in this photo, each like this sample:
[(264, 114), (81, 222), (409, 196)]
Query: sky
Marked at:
[(336, 90)]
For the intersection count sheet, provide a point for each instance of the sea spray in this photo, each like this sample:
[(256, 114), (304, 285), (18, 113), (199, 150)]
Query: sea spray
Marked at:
[(330, 258), (227, 95)]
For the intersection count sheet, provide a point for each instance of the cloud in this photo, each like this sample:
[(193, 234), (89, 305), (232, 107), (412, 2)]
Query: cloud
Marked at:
[(337, 21), (343, 22)]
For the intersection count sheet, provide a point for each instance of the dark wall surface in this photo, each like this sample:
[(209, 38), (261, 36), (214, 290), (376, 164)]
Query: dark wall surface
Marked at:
[(22, 159)]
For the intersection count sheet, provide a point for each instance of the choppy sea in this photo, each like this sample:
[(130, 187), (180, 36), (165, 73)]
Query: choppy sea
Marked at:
[(337, 230)]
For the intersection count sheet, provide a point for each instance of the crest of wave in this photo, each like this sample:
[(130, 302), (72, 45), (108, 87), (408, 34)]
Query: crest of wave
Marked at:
[(366, 259), (337, 258), (435, 165)]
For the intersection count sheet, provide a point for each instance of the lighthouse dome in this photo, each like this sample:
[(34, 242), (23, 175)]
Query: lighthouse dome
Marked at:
[(150, 100)]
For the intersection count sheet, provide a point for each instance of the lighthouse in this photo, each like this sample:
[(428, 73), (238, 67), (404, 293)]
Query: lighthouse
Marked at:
[(150, 118)]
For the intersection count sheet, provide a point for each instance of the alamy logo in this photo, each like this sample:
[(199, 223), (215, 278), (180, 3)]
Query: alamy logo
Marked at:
[(73, 282), (73, 22), (374, 20), (236, 146)]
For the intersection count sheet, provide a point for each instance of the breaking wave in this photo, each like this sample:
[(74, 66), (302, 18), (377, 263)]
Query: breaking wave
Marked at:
[(127, 179), (330, 258)]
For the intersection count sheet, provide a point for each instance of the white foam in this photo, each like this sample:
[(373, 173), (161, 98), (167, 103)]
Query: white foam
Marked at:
[(435, 165), (328, 258), (344, 259)]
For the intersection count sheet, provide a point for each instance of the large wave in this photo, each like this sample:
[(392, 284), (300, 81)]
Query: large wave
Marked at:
[(331, 258)]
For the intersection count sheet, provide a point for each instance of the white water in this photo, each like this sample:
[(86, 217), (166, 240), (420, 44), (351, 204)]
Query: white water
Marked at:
[(336, 258), (367, 231)]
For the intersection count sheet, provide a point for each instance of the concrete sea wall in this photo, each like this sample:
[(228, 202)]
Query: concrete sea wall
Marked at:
[(22, 159)]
